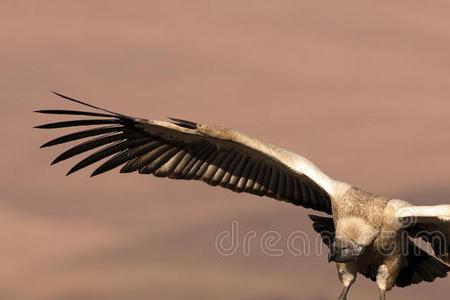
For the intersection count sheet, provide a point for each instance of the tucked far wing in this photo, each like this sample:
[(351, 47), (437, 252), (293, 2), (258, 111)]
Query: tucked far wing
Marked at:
[(187, 150), (430, 223), (421, 266), (325, 227)]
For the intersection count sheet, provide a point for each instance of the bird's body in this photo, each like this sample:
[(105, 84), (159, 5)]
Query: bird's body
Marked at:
[(367, 234), (359, 212)]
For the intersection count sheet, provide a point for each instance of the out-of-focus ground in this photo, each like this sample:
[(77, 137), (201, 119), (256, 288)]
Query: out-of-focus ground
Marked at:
[(361, 88)]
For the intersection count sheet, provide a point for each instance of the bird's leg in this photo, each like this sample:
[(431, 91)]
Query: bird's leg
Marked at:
[(382, 280), (347, 274), (343, 295)]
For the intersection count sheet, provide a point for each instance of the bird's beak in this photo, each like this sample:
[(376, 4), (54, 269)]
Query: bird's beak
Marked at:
[(333, 254), (331, 257)]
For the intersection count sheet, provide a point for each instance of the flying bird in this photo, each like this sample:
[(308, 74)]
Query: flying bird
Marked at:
[(372, 235)]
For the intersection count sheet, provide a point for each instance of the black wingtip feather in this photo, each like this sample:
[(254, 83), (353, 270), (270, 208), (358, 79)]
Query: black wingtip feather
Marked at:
[(95, 173), (87, 146), (74, 112), (109, 150), (90, 105), (78, 123), (56, 160), (70, 172), (83, 134)]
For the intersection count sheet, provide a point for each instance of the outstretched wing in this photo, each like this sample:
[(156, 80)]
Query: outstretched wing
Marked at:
[(430, 223), (187, 150)]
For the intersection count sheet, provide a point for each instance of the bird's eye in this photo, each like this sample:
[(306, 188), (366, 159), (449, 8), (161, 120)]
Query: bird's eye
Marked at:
[(359, 249)]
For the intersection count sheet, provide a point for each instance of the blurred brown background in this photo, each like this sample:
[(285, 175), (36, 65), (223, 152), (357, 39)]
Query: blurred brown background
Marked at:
[(361, 88)]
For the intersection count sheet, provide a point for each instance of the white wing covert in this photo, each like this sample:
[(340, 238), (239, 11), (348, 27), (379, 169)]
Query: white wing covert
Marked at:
[(430, 223)]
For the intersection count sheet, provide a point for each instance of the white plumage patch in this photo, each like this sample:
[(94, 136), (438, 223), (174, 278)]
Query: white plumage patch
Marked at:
[(430, 213), (382, 277), (356, 229)]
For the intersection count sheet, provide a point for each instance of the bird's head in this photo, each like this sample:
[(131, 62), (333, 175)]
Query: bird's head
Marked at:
[(353, 235)]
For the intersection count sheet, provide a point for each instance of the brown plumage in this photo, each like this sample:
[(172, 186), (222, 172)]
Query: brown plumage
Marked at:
[(367, 234)]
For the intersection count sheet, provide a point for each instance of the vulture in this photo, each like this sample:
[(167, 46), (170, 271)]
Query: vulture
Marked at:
[(389, 241)]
